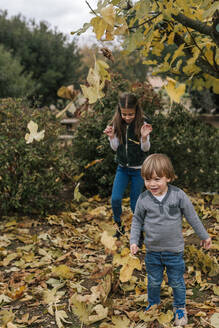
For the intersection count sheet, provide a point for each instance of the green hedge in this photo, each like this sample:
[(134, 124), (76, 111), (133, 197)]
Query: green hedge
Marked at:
[(31, 175)]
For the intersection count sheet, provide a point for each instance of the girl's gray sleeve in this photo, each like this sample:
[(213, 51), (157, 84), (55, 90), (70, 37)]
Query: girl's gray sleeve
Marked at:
[(137, 222), (191, 216), (145, 146), (114, 143)]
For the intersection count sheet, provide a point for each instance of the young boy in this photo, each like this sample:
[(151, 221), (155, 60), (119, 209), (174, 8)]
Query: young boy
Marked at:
[(159, 211)]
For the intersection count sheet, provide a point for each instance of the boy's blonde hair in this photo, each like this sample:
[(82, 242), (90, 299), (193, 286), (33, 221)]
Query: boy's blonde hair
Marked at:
[(159, 164)]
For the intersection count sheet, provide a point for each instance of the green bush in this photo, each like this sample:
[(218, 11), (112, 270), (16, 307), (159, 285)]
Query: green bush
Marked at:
[(31, 175), (191, 144)]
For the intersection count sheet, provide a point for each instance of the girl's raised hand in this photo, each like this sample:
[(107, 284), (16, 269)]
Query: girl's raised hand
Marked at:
[(109, 131), (146, 130)]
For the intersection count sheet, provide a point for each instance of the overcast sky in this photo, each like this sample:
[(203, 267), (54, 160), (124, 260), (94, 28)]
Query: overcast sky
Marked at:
[(66, 15)]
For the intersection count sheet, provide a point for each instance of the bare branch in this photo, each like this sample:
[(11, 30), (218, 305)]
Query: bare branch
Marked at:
[(145, 22), (91, 8)]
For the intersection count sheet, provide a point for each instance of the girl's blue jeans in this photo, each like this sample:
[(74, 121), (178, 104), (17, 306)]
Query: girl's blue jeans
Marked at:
[(123, 176), (155, 263)]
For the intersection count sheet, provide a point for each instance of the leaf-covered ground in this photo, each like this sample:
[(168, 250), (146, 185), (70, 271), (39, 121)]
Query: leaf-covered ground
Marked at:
[(66, 270)]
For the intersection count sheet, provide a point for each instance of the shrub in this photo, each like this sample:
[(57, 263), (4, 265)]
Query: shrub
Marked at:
[(191, 144), (32, 175)]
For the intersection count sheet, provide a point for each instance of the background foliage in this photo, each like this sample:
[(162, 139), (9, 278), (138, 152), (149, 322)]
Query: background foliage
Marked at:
[(182, 29), (191, 144), (47, 55), (12, 79), (31, 175)]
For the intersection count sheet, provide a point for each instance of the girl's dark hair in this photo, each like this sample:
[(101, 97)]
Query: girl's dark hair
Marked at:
[(127, 100)]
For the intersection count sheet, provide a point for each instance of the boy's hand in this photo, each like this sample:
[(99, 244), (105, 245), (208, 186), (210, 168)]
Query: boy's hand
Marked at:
[(133, 249), (206, 243)]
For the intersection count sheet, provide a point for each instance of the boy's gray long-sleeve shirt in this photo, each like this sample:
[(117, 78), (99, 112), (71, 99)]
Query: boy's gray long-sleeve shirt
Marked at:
[(162, 221)]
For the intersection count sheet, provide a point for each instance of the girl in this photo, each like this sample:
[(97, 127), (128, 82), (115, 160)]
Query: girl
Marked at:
[(129, 137)]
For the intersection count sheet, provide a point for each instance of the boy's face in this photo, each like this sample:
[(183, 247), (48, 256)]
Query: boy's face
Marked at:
[(157, 185), (128, 114)]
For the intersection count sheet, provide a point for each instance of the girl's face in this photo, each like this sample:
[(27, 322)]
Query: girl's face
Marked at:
[(157, 185), (128, 114)]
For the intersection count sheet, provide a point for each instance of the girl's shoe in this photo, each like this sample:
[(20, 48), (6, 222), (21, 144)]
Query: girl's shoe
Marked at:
[(180, 316), (119, 232)]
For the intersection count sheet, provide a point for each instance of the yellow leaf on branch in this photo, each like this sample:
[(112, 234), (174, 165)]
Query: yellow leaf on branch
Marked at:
[(99, 26), (108, 15)]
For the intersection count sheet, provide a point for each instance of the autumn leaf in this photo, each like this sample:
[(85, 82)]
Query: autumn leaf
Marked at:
[(108, 241), (4, 299), (93, 163), (174, 91), (52, 296), (99, 212), (108, 15), (77, 195), (81, 309), (216, 290), (96, 80), (6, 316), (215, 320), (101, 313), (128, 262), (33, 135), (63, 271), (61, 316), (164, 318), (99, 26), (122, 322), (11, 325), (67, 92), (128, 268)]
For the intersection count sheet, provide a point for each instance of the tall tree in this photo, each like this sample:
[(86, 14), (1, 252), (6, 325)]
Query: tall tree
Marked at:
[(13, 82), (152, 26), (47, 54)]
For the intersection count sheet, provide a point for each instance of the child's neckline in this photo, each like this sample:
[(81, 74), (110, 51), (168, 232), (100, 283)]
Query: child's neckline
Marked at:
[(164, 196)]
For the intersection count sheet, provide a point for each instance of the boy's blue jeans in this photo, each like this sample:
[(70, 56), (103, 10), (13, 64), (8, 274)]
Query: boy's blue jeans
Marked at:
[(155, 263), (123, 176)]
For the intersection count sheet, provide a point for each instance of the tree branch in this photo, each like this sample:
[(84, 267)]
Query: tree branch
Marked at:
[(196, 25), (200, 62), (91, 8), (145, 22)]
